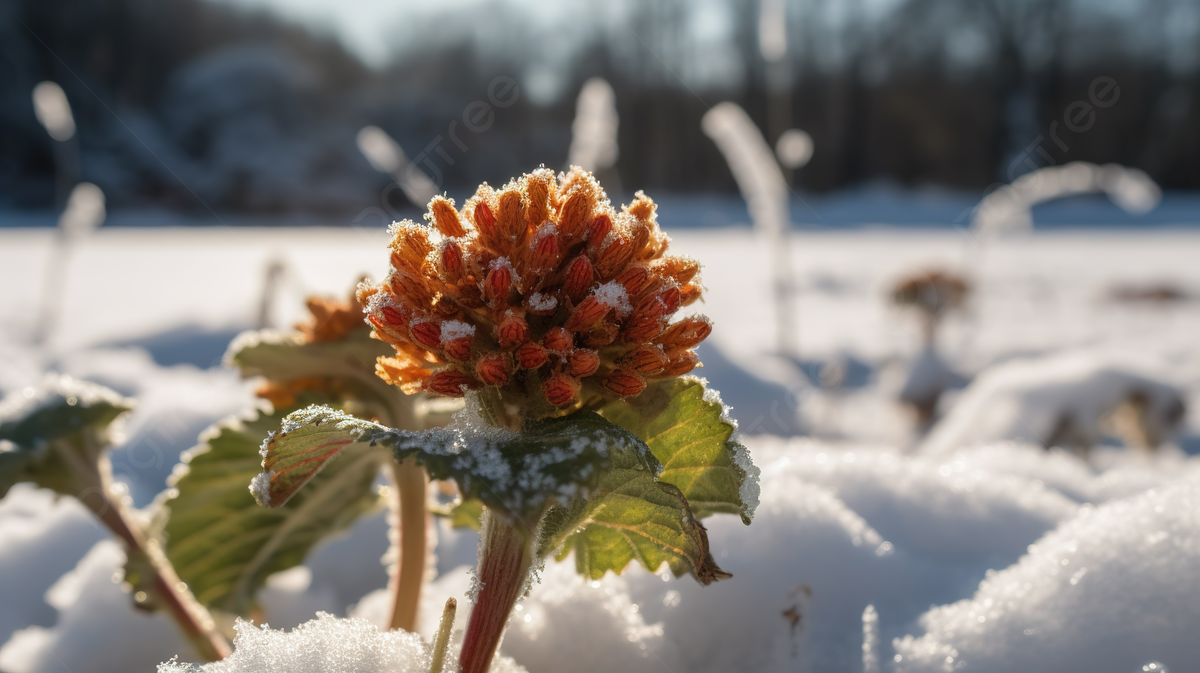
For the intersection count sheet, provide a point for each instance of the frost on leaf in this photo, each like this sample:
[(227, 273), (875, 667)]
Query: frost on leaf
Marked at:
[(516, 474), (579, 482), (689, 430), (54, 433)]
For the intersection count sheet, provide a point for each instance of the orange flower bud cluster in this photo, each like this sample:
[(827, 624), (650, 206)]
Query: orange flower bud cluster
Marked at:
[(539, 290)]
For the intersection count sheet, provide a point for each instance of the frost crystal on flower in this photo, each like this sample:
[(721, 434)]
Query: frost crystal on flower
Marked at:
[(541, 291)]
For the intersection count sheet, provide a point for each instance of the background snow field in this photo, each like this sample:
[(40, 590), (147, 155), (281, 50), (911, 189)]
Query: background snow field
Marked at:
[(979, 550)]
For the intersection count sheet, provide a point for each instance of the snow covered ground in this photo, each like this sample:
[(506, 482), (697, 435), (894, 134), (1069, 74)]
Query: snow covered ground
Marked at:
[(975, 558)]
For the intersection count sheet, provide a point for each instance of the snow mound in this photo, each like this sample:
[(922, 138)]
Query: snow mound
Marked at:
[(928, 377), (1110, 590), (327, 645), (1061, 400), (98, 630), (42, 536), (931, 507)]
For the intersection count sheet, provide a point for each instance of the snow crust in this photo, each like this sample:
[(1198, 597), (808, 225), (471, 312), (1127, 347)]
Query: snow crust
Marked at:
[(1109, 590), (41, 537), (98, 629), (328, 644), (874, 527)]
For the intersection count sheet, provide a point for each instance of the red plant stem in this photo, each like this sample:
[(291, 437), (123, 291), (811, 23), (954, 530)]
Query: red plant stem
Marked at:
[(410, 485), (187, 613), (504, 563)]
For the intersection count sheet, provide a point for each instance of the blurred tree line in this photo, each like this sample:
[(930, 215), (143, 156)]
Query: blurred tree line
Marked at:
[(199, 105)]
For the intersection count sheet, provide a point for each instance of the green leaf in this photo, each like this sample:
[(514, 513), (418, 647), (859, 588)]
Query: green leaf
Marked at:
[(55, 435), (223, 545), (690, 432), (594, 481), (285, 356), (346, 367), (631, 516), (462, 513), (516, 474)]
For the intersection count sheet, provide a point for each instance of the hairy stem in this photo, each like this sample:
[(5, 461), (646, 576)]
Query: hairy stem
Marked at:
[(505, 559), (187, 612), (410, 494)]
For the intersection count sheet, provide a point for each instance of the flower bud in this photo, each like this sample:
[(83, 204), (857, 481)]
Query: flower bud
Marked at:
[(559, 340), (485, 221), (445, 217), (410, 245), (589, 312), (601, 335), (647, 359), (583, 362), (457, 338), (531, 355), (402, 370), (393, 315), (642, 207), (445, 307), (409, 289), (561, 390), (458, 349), (498, 283), (686, 333), (494, 368), (426, 333), (448, 382), (624, 382), (546, 248), (451, 262), (648, 320), (537, 197), (599, 228), (678, 268), (576, 214), (643, 330), (671, 298), (635, 279), (639, 235), (681, 363), (578, 278), (612, 259), (510, 218), (511, 331)]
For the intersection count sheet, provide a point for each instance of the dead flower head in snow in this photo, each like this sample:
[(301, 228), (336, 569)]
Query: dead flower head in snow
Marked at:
[(540, 291), (932, 291)]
